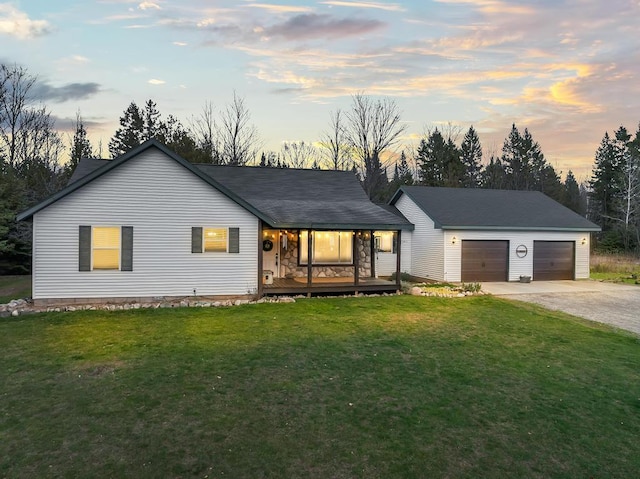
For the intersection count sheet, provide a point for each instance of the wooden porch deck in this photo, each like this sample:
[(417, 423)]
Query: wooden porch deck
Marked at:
[(328, 285)]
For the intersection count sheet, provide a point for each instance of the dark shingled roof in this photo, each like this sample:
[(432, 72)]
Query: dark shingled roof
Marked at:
[(281, 197), (481, 209), (84, 167), (296, 198)]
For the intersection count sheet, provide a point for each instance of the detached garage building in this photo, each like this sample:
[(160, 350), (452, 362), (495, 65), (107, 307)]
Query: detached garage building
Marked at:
[(493, 235)]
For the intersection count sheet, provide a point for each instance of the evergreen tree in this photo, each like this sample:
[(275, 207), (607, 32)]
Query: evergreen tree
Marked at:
[(152, 124), (525, 165), (604, 182), (80, 148), (518, 157), (439, 162), (131, 132), (375, 180), (179, 140), (572, 198), (494, 175), (401, 175), (402, 172), (138, 126), (471, 157)]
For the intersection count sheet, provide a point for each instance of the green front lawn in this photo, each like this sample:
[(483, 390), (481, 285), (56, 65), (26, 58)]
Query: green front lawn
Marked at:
[(615, 268), (14, 287), (385, 387)]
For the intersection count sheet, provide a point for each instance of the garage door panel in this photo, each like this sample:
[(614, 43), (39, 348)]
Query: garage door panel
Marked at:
[(485, 260), (553, 260)]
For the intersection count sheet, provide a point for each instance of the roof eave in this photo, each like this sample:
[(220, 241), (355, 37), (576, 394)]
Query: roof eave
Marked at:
[(401, 191), (520, 228), (342, 226)]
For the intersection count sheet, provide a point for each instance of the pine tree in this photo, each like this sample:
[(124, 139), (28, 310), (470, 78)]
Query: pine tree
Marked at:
[(526, 167), (430, 159), (604, 182), (572, 198), (401, 175), (153, 125), (131, 132), (471, 157), (439, 162), (494, 175), (80, 148)]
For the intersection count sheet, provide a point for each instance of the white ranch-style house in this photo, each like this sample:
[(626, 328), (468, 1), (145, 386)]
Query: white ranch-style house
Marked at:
[(149, 224)]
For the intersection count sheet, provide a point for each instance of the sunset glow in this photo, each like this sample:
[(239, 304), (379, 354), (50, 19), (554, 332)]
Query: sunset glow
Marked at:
[(567, 71)]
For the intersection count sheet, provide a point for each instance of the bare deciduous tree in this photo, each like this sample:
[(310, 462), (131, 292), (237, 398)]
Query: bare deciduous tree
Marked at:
[(15, 100), (373, 126), (335, 144), (239, 138), (298, 154), (205, 133)]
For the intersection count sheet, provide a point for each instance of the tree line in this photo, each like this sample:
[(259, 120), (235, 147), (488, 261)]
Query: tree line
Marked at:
[(366, 139)]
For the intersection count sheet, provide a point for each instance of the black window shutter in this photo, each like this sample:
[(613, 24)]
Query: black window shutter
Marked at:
[(234, 240), (196, 239), (126, 251), (84, 248), (394, 247)]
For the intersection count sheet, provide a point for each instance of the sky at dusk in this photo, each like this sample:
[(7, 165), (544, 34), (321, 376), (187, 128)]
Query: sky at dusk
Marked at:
[(566, 70)]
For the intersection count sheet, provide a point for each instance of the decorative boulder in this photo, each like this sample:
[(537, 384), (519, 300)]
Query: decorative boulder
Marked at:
[(416, 291)]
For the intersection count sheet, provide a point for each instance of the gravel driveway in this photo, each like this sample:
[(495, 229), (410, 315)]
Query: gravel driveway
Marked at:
[(614, 304)]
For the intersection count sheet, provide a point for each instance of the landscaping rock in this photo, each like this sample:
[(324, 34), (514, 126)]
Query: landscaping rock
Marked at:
[(416, 291)]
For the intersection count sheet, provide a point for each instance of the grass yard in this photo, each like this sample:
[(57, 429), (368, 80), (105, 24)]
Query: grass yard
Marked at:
[(387, 387), (617, 268), (14, 287)]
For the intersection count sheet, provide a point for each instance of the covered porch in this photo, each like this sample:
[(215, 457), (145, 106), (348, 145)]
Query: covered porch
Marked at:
[(330, 285), (323, 261)]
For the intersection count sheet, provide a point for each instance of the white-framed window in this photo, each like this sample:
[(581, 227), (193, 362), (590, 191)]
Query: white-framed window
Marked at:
[(327, 247), (215, 240)]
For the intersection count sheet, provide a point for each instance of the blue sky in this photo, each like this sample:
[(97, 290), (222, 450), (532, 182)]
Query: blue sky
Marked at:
[(567, 70)]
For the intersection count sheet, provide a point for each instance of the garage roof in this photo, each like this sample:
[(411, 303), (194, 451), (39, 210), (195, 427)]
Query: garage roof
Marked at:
[(484, 209)]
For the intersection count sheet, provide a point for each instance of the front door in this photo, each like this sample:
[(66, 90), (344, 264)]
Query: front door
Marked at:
[(271, 252)]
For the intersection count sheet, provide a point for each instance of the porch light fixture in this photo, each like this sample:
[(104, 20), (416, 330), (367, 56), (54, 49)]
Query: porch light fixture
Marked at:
[(454, 240), (584, 240)]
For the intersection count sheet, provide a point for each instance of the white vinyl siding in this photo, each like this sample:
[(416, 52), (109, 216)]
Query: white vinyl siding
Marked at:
[(386, 262), (434, 256), (426, 242), (162, 201), (517, 266)]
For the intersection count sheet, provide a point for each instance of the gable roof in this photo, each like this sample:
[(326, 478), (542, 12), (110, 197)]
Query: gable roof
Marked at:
[(298, 198), (100, 169), (86, 166), (482, 209), (282, 198)]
